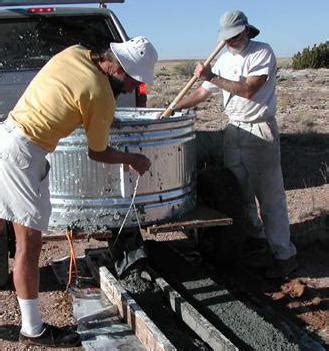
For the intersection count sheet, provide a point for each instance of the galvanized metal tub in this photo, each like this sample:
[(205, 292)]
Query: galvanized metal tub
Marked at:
[(96, 196)]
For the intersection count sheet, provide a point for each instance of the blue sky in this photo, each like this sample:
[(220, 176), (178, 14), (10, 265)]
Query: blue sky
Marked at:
[(189, 28)]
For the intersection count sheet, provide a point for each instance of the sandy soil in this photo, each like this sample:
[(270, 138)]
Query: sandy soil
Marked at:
[(303, 111)]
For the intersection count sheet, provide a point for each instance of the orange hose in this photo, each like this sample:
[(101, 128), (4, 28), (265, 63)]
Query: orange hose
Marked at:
[(73, 268)]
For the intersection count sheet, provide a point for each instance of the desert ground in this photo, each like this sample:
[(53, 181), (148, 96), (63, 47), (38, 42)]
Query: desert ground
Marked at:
[(303, 117)]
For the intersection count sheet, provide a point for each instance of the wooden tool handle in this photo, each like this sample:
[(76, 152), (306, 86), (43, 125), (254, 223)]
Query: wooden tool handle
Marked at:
[(187, 87)]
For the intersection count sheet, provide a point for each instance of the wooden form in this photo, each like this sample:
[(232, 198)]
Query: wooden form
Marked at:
[(201, 217), (145, 330), (191, 317), (46, 236)]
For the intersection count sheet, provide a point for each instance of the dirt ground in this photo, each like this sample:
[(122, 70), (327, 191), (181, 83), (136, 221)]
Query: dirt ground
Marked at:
[(303, 116)]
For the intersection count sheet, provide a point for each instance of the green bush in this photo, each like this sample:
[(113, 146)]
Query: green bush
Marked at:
[(316, 57), (163, 72), (185, 69)]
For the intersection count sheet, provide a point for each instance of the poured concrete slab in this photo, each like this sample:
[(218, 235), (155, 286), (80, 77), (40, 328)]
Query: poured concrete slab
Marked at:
[(245, 324), (144, 328)]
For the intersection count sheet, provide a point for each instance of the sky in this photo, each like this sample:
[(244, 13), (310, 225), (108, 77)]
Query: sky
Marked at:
[(188, 29)]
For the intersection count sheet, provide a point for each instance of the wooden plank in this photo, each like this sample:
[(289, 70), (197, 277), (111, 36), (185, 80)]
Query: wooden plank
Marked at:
[(169, 227), (46, 236), (200, 217), (191, 317), (146, 331)]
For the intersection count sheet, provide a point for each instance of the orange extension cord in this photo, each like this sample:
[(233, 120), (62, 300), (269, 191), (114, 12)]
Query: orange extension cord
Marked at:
[(73, 268)]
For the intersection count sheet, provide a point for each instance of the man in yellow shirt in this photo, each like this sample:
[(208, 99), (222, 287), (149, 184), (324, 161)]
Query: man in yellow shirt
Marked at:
[(75, 88)]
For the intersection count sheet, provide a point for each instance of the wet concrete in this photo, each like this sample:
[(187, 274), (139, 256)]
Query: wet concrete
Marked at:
[(240, 321), (133, 283), (147, 294), (151, 299)]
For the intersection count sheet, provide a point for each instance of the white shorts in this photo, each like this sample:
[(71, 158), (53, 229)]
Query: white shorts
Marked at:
[(24, 182)]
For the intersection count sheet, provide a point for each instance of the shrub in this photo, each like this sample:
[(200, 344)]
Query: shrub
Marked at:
[(163, 72), (316, 57), (185, 69)]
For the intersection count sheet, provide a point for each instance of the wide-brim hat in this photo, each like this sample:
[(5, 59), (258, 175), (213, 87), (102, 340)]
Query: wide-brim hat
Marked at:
[(233, 23), (137, 57)]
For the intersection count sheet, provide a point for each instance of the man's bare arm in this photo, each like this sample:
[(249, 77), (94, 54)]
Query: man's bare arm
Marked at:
[(198, 95), (246, 88), (138, 162)]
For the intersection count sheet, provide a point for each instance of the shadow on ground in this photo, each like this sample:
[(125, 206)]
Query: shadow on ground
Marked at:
[(305, 160), (222, 298), (218, 189), (9, 332), (48, 281), (304, 157)]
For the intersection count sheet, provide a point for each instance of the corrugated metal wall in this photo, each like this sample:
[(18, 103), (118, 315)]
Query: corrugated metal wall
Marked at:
[(96, 196)]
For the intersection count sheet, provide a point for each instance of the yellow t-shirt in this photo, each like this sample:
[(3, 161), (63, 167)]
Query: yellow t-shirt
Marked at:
[(68, 92)]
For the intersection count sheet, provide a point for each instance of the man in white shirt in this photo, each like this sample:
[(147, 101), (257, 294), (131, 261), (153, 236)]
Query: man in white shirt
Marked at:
[(246, 74)]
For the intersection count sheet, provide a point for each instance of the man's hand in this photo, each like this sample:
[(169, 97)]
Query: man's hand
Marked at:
[(203, 72), (139, 163)]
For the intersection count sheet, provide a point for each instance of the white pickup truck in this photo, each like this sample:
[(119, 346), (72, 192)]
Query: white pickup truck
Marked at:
[(31, 32), (31, 35)]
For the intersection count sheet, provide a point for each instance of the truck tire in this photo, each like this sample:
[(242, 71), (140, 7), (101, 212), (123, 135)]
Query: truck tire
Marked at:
[(4, 266)]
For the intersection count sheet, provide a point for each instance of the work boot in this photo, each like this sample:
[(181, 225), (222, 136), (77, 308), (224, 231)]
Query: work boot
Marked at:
[(282, 268), (52, 336), (256, 253)]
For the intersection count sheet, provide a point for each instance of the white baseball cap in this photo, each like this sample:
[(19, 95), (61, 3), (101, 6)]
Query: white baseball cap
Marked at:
[(137, 57)]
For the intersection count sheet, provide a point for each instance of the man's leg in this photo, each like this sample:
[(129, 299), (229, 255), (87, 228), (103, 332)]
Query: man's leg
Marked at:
[(26, 280), (26, 269), (273, 208), (26, 277), (255, 250), (2, 225), (27, 168), (263, 160), (234, 161), (262, 155), (3, 254)]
